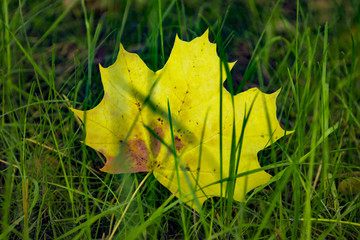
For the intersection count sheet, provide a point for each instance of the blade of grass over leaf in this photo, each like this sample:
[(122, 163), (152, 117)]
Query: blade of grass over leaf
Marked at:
[(178, 167)]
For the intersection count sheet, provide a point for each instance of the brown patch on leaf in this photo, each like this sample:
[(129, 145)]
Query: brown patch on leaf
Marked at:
[(134, 158), (138, 152), (178, 143), (155, 144)]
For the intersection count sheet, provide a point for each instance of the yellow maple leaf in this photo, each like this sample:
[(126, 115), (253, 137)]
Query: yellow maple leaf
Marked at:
[(131, 128)]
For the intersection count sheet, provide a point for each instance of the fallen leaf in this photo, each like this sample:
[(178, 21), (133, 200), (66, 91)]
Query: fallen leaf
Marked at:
[(350, 186), (135, 100)]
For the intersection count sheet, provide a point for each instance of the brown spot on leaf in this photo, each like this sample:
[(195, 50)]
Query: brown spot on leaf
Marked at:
[(138, 105), (178, 143), (160, 120)]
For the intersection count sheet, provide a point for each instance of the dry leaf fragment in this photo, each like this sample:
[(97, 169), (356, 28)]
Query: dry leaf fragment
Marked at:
[(350, 186)]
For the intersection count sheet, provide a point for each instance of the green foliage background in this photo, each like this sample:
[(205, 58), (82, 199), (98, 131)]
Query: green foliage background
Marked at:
[(50, 185)]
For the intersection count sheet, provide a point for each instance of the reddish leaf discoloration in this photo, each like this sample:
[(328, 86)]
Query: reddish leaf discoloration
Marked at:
[(139, 153), (133, 158), (155, 144)]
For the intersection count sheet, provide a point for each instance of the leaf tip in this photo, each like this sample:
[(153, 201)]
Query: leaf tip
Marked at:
[(206, 33), (78, 113), (277, 92)]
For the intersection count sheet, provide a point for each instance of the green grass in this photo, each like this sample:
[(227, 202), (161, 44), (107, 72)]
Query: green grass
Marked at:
[(50, 185)]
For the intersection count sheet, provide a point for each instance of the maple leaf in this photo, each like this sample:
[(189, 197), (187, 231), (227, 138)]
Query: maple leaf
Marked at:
[(131, 128)]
